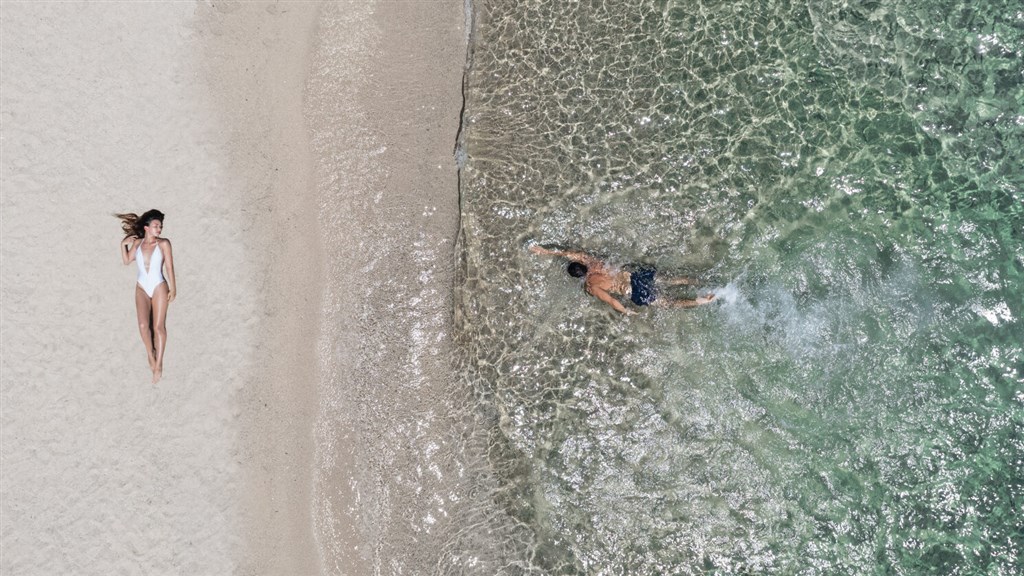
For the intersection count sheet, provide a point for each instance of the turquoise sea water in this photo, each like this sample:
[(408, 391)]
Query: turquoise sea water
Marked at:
[(847, 178)]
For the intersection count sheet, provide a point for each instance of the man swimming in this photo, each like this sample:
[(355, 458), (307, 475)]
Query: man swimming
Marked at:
[(639, 285)]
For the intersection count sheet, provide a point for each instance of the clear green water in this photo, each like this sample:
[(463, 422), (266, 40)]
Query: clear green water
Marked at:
[(847, 177)]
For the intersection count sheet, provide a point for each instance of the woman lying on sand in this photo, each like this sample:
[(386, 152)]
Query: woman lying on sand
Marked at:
[(601, 281), (153, 291)]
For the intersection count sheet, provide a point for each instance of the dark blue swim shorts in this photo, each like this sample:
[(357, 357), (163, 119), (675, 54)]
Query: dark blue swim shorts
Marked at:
[(641, 281)]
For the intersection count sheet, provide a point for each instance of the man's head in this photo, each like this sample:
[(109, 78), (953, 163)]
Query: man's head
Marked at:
[(576, 270)]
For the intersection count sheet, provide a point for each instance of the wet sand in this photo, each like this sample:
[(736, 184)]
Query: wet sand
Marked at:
[(255, 62), (397, 475)]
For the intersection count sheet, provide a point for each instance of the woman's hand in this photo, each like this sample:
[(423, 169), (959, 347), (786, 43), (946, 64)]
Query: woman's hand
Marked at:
[(170, 296), (126, 249)]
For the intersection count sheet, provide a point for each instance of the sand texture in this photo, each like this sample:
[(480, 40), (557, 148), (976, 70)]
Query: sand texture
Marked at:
[(309, 420), (194, 109)]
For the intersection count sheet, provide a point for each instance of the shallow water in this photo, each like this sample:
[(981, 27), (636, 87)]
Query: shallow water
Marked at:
[(847, 179)]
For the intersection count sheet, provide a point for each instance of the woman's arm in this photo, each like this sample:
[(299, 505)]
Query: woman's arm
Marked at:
[(128, 250), (169, 269)]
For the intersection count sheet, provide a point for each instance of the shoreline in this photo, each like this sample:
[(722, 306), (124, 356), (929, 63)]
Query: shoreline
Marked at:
[(310, 419), (401, 476)]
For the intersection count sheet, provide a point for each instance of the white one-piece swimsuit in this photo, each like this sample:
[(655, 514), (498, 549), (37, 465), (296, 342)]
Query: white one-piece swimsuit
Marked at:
[(150, 279)]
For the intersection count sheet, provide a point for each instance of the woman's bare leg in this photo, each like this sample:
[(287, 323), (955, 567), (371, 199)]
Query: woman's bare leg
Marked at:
[(144, 309), (159, 329)]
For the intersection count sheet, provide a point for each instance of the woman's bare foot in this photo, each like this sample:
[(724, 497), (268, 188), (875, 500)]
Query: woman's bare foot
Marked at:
[(157, 373)]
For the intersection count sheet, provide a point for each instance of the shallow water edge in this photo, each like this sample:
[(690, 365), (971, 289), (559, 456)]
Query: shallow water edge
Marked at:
[(400, 477)]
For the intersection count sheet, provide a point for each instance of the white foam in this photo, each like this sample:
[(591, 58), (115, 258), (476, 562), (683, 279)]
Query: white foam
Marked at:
[(728, 294)]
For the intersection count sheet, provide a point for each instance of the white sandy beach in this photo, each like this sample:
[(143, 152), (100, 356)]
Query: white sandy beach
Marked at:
[(197, 109), (191, 109)]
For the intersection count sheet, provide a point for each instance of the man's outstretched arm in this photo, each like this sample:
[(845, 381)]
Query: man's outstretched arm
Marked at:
[(570, 254)]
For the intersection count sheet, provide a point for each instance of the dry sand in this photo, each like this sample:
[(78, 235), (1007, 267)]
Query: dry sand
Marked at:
[(194, 108)]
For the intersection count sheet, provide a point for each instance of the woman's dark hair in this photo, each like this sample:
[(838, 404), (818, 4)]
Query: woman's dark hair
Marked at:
[(576, 270), (133, 224)]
